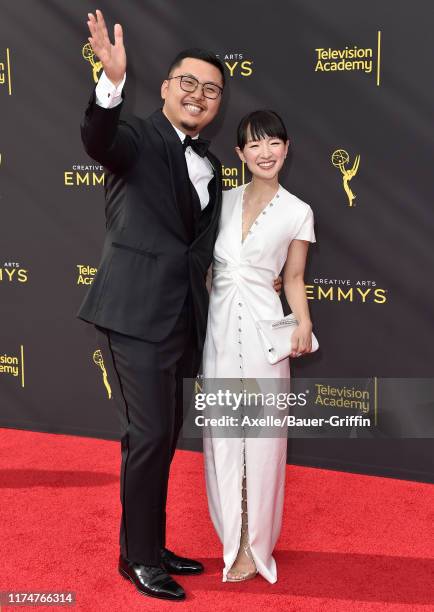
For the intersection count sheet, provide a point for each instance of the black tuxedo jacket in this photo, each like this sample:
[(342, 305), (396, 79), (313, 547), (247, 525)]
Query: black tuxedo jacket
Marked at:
[(158, 245)]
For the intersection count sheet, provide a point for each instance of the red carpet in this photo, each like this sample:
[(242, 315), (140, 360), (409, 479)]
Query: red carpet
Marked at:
[(349, 542)]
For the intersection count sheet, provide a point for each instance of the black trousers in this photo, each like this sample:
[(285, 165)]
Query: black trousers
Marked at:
[(147, 385)]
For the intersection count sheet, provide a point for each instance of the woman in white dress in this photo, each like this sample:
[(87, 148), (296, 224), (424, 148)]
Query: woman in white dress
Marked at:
[(263, 229)]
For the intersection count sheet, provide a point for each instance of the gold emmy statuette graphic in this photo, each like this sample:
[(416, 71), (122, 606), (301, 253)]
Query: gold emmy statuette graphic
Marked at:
[(89, 56), (339, 159), (97, 358)]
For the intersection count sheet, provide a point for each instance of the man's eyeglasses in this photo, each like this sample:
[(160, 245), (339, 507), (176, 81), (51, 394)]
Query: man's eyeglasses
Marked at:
[(190, 84)]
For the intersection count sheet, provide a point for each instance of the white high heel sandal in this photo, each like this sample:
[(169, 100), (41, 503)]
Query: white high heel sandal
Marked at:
[(238, 575)]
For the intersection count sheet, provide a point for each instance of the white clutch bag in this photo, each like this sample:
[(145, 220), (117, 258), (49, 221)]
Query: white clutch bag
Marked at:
[(276, 337)]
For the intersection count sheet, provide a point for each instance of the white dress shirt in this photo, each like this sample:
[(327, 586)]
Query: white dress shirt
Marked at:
[(199, 168)]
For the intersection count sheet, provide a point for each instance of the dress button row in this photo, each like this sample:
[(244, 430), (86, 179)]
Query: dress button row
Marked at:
[(264, 212), (239, 342)]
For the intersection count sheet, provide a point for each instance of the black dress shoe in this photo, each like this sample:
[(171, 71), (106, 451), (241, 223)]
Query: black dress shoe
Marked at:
[(179, 565), (151, 580)]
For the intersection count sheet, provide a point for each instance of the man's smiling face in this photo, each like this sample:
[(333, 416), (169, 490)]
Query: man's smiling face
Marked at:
[(191, 112)]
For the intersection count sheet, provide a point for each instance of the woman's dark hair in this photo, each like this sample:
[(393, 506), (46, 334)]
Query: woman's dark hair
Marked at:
[(260, 124), (201, 54)]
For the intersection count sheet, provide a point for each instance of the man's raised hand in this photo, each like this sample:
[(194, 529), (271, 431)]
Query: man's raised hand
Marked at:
[(112, 57)]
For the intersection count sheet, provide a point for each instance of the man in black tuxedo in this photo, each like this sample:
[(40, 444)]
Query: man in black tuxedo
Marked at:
[(149, 300)]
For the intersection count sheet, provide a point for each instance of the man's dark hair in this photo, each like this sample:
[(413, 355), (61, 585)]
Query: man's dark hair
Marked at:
[(260, 124), (201, 54)]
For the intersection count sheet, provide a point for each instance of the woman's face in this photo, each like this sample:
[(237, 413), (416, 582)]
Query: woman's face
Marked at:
[(264, 157)]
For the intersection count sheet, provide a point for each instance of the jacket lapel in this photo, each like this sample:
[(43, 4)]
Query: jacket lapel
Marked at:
[(178, 172)]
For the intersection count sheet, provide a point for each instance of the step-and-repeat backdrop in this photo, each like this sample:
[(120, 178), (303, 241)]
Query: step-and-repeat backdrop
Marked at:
[(353, 82)]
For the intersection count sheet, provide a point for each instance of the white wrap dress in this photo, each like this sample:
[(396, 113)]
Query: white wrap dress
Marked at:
[(242, 293)]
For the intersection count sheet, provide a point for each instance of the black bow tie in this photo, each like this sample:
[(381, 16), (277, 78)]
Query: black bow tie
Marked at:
[(199, 145)]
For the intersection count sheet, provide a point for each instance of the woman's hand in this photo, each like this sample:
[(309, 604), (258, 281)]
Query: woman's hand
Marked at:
[(112, 57), (301, 341)]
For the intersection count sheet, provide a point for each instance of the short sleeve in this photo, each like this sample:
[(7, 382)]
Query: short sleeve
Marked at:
[(306, 231)]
